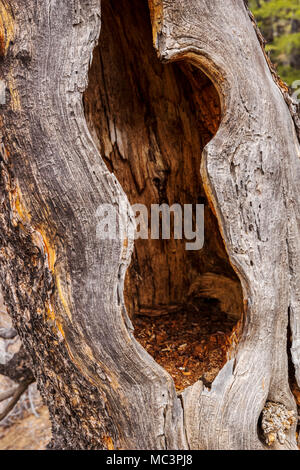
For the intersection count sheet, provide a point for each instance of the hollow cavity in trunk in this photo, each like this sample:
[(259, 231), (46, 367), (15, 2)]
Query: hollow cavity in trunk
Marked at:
[(151, 122)]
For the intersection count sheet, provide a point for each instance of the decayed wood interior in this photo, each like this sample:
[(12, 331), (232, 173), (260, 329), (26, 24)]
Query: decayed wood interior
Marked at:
[(151, 122)]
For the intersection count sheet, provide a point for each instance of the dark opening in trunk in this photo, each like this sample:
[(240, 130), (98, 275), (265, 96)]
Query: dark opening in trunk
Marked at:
[(151, 123)]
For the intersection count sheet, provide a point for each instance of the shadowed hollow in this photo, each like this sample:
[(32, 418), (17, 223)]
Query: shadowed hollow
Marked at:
[(151, 122)]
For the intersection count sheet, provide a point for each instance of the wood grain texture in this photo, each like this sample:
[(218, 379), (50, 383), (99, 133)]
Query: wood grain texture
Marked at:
[(251, 169), (64, 287), (151, 122)]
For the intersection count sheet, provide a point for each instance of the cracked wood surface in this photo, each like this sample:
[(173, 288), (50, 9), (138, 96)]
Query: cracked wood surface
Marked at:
[(63, 287), (156, 160), (251, 170)]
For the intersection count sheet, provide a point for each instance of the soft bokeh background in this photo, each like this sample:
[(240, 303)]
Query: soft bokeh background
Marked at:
[(279, 21)]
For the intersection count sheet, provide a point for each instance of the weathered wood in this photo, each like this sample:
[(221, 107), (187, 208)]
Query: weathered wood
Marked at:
[(155, 159), (250, 170), (101, 387), (64, 287)]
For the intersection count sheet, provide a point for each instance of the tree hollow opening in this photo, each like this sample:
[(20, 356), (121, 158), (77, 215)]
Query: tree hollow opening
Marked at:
[(151, 123)]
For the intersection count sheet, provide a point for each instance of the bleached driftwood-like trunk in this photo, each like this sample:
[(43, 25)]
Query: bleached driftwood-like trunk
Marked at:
[(64, 287)]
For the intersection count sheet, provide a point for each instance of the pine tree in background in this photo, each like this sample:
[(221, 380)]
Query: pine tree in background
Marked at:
[(279, 21)]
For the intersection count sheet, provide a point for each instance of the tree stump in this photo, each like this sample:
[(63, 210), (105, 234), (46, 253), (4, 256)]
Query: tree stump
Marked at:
[(87, 123)]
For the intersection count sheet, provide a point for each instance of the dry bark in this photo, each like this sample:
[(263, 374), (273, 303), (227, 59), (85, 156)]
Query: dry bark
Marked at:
[(64, 287)]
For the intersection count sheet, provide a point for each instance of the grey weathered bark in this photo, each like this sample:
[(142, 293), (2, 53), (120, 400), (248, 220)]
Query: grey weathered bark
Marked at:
[(64, 287)]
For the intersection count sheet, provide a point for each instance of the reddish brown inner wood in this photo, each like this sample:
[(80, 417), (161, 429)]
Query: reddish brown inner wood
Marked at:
[(151, 122)]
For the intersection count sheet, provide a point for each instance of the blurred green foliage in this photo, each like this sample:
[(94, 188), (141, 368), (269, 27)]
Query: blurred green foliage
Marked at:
[(279, 21)]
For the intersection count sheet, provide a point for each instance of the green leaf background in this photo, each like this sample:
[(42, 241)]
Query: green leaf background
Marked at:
[(279, 21)]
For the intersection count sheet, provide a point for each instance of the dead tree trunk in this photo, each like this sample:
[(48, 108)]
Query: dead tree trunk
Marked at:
[(210, 100)]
